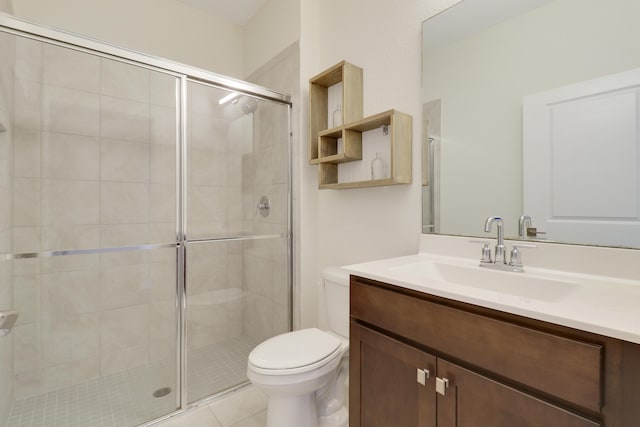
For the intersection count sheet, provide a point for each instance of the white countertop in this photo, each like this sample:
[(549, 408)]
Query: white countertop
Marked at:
[(602, 304)]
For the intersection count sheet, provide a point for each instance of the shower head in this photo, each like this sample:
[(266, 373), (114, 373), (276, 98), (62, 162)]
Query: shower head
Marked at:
[(248, 105), (240, 107)]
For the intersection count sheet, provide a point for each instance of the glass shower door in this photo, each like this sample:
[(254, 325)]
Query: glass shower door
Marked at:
[(88, 232), (7, 52), (237, 222)]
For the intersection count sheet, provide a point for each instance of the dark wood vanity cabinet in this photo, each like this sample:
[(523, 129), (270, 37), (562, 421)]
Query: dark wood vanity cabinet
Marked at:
[(421, 360), (385, 375)]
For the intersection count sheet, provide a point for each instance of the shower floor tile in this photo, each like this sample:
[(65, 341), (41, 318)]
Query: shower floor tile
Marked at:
[(223, 365), (126, 399)]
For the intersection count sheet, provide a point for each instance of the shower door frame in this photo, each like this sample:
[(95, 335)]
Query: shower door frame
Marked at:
[(183, 74)]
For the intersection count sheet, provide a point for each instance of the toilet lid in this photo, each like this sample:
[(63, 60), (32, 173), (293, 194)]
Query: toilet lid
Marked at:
[(294, 349)]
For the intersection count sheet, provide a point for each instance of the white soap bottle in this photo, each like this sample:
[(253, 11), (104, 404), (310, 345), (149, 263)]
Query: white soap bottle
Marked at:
[(337, 117), (377, 167)]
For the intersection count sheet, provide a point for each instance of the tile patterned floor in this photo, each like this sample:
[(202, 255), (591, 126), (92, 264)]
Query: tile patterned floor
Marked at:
[(218, 368), (243, 408), (126, 399)]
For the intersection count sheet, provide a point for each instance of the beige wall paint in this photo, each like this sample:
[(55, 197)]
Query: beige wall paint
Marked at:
[(6, 6), (350, 226), (165, 28), (306, 205), (275, 27)]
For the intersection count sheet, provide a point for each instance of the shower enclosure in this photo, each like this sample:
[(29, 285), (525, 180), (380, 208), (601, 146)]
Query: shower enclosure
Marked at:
[(145, 230)]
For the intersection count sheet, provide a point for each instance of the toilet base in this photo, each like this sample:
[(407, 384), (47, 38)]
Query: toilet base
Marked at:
[(293, 411), (340, 418)]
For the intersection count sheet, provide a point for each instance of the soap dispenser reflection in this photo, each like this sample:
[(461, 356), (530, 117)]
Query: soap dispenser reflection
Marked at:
[(377, 167)]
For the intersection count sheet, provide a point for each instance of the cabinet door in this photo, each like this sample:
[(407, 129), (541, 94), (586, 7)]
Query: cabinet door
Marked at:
[(383, 382), (472, 400)]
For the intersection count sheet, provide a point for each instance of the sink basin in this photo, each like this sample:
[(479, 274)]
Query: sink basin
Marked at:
[(523, 285)]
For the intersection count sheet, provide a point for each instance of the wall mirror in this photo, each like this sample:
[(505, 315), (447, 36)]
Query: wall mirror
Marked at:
[(531, 108)]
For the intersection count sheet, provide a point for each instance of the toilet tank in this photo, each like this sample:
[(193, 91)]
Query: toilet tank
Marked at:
[(336, 299)]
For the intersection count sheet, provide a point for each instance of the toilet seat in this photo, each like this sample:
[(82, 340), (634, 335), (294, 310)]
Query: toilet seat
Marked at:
[(295, 352)]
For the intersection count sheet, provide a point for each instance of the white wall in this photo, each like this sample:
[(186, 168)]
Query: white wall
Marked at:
[(306, 204), (165, 28), (362, 224), (6, 6), (275, 27)]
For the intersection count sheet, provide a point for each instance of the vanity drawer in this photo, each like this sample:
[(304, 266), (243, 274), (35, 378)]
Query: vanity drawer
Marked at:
[(568, 369)]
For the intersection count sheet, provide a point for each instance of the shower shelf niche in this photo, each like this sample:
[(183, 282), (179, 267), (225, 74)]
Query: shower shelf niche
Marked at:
[(341, 144)]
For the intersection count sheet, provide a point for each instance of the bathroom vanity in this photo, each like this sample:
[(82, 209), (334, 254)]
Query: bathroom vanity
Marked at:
[(425, 352)]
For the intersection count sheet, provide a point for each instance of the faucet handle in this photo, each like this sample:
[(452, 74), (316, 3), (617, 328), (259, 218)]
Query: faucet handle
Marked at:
[(486, 254), (524, 245), (486, 251), (533, 232), (516, 257)]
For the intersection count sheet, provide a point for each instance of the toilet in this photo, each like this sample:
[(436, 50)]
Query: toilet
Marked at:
[(303, 372)]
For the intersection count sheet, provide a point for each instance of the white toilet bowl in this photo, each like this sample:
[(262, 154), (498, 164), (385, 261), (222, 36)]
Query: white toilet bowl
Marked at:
[(303, 372), (313, 357)]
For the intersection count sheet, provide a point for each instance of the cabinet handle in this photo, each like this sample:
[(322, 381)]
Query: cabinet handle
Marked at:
[(423, 375), (441, 385)]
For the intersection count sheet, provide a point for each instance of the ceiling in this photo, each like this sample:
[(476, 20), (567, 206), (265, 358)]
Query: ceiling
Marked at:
[(236, 11)]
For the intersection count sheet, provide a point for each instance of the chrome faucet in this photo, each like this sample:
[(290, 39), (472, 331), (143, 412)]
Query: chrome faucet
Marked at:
[(526, 230), (524, 222), (499, 262), (499, 250)]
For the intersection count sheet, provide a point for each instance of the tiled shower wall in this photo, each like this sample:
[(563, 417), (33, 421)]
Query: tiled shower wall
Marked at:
[(94, 167), (266, 307), (213, 210), (234, 158), (6, 208)]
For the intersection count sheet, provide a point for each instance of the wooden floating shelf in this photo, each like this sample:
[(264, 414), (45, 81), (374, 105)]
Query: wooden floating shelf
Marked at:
[(351, 101), (400, 142), (328, 145), (373, 122), (335, 132), (360, 184), (325, 149)]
